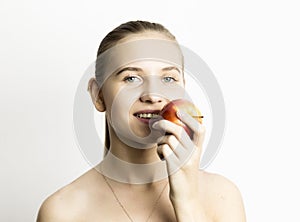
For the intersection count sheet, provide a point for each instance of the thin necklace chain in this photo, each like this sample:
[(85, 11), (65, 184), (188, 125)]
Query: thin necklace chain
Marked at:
[(124, 209)]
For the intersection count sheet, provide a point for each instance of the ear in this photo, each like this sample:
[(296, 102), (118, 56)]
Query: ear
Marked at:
[(96, 95)]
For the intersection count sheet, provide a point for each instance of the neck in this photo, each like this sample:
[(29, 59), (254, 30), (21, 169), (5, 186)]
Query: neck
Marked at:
[(139, 154), (134, 155), (132, 173), (132, 165)]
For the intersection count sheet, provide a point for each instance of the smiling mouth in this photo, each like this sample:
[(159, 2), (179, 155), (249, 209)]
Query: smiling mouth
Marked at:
[(147, 114)]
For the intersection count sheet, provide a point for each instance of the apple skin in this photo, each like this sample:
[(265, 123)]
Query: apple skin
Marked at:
[(169, 113)]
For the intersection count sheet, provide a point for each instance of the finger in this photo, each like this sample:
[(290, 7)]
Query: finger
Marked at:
[(174, 144), (166, 151), (194, 125), (173, 163), (174, 129), (192, 151), (199, 136)]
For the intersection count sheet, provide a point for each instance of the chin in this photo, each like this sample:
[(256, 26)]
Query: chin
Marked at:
[(141, 130)]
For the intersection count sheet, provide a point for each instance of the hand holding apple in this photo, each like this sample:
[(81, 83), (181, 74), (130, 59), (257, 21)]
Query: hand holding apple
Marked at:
[(182, 152), (169, 113)]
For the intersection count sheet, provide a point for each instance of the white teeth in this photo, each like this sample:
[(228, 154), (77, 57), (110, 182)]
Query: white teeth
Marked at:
[(147, 115)]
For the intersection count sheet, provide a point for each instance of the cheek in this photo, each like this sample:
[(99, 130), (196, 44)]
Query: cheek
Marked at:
[(121, 121), (122, 102), (119, 101), (109, 93)]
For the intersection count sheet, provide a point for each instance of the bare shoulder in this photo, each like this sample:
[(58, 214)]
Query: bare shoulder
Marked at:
[(69, 202), (224, 197)]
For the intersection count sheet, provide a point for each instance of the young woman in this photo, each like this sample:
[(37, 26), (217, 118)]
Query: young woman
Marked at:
[(150, 171)]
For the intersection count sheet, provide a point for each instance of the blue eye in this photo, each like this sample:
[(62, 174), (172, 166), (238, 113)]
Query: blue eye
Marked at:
[(131, 79), (168, 79)]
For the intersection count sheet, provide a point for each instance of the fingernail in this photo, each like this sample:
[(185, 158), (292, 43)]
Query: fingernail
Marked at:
[(155, 125), (160, 139), (179, 113)]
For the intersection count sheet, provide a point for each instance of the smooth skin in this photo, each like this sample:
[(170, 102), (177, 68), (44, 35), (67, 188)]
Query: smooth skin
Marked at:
[(191, 194)]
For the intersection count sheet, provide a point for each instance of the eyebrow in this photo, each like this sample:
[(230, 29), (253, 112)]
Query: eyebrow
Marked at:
[(136, 69), (129, 69), (171, 68)]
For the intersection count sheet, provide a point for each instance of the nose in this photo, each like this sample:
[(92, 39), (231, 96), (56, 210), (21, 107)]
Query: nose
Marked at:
[(151, 91), (151, 98)]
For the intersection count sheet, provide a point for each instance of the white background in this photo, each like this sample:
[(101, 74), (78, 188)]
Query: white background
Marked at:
[(252, 47)]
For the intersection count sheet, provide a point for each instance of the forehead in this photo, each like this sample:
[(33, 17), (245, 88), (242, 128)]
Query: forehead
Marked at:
[(137, 50)]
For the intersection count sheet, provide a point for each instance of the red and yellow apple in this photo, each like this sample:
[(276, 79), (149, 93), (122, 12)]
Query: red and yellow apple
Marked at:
[(169, 113)]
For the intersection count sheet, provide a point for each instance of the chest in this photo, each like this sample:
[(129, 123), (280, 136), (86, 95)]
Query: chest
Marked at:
[(139, 211), (103, 205)]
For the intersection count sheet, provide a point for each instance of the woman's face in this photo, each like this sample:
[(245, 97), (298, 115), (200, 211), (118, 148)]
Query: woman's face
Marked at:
[(135, 93), (138, 91)]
